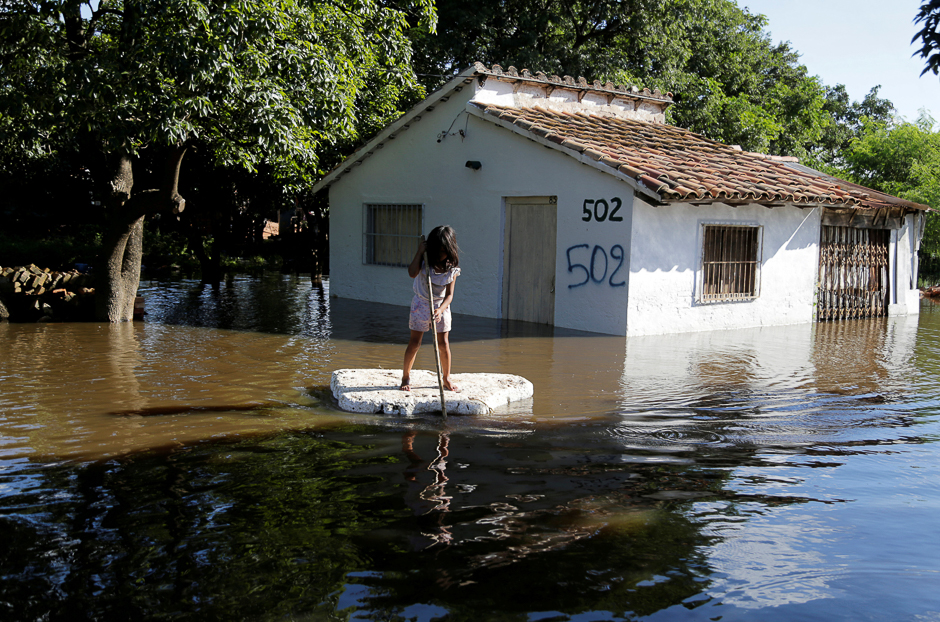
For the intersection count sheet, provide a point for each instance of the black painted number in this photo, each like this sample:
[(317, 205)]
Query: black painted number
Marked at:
[(586, 211), (571, 266), (613, 214), (599, 210), (599, 264)]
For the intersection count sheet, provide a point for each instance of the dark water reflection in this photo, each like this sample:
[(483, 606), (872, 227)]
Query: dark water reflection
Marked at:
[(191, 467)]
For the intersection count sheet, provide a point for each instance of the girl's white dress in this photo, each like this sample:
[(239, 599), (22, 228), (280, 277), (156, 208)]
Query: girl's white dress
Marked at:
[(420, 318)]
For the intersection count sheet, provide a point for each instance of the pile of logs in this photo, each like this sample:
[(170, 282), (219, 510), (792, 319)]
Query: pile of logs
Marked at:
[(31, 294)]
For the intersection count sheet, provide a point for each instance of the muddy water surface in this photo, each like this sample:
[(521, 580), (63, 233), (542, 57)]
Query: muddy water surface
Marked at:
[(194, 466)]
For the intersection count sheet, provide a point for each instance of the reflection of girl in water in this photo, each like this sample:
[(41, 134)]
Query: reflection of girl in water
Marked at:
[(424, 500)]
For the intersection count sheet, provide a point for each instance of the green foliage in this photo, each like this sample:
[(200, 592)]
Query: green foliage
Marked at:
[(168, 251), (163, 249), (845, 122), (253, 264), (272, 87), (258, 81), (729, 81), (57, 250), (929, 35), (902, 159)]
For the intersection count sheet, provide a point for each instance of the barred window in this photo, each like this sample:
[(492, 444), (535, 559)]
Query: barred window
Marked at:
[(391, 233), (730, 262)]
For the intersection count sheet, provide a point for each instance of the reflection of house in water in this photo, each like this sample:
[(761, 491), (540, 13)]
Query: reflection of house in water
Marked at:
[(577, 206), (824, 357), (753, 386)]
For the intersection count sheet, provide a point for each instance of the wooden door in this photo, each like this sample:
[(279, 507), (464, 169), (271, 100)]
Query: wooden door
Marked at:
[(529, 260)]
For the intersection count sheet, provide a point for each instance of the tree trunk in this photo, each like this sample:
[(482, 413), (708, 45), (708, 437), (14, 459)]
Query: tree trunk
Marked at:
[(209, 265), (117, 287), (319, 209), (119, 274)]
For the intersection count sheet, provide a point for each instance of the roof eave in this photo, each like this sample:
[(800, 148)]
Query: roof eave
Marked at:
[(874, 194), (904, 206)]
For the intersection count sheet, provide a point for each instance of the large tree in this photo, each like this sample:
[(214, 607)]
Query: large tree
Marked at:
[(901, 158), (253, 81), (729, 80), (845, 123)]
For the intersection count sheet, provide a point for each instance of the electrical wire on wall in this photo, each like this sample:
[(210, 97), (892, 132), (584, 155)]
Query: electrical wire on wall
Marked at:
[(461, 132)]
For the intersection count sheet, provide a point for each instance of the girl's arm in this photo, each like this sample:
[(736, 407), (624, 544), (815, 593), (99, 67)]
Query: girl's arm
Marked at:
[(448, 297), (415, 266)]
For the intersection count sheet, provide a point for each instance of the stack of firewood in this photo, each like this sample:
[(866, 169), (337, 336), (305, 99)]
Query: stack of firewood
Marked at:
[(32, 294)]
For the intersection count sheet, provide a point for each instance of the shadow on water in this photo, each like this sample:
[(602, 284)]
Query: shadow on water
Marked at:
[(183, 410)]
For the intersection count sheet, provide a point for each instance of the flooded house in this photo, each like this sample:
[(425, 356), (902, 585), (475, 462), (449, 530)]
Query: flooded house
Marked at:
[(576, 205)]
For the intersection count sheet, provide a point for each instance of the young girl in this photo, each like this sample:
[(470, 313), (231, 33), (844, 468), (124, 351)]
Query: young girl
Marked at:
[(443, 256)]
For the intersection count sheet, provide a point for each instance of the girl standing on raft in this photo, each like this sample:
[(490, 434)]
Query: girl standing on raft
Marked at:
[(443, 256)]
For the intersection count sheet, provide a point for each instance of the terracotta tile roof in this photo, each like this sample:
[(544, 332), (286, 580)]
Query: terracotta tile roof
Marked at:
[(680, 166)]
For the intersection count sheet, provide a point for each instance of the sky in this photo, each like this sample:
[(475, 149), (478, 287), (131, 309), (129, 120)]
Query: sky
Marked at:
[(858, 43)]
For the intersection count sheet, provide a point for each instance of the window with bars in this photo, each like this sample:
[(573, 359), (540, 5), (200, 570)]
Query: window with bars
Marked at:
[(730, 262), (391, 233)]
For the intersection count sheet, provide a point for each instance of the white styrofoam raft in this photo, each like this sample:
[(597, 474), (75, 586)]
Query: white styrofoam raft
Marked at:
[(377, 391)]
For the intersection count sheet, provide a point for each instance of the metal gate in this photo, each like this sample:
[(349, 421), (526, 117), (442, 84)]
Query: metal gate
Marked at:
[(853, 273)]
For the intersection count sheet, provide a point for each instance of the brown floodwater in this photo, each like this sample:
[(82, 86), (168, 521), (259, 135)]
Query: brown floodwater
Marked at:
[(89, 391), (777, 472)]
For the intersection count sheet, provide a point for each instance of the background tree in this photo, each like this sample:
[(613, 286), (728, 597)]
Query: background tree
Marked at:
[(929, 35), (846, 122), (256, 82), (729, 81), (46, 199), (554, 36), (903, 159)]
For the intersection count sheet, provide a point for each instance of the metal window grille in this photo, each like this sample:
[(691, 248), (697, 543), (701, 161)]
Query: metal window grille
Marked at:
[(853, 273), (391, 233), (730, 262)]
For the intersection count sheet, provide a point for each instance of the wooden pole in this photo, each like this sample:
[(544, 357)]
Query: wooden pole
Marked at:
[(437, 351)]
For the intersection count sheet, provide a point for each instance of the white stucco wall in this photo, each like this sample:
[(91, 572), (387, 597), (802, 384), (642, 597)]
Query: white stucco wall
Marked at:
[(416, 168), (905, 298), (665, 263)]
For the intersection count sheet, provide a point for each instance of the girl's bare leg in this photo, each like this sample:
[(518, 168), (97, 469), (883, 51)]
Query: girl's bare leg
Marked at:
[(414, 342), (443, 344)]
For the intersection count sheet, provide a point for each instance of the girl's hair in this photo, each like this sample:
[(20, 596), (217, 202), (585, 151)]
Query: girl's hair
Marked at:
[(444, 239)]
